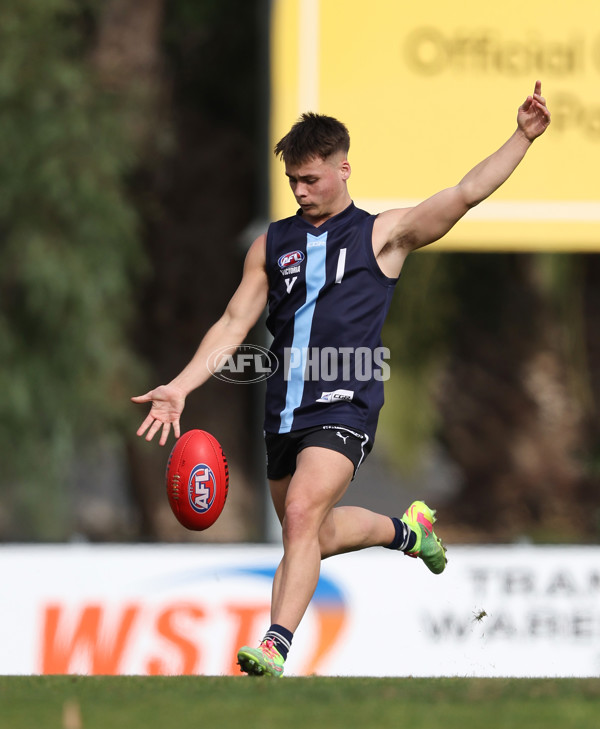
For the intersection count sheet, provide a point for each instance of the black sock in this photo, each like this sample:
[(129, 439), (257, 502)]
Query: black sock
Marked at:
[(282, 637), (405, 538)]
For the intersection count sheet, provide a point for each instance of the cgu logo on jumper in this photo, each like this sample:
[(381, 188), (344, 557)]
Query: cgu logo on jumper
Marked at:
[(195, 630), (201, 488), (294, 258)]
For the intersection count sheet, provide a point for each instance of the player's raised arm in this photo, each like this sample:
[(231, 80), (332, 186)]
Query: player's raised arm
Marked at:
[(412, 228), (241, 314)]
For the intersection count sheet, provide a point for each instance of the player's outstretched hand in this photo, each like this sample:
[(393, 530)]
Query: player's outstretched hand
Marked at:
[(167, 405), (533, 117)]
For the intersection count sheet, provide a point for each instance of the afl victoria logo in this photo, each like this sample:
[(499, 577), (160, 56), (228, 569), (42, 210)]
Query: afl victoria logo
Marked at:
[(201, 488), (290, 259)]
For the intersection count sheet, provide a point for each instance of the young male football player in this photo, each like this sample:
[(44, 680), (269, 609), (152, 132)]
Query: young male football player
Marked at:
[(327, 275)]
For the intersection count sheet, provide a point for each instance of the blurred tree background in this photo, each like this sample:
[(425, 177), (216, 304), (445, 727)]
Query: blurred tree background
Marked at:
[(496, 360), (133, 137), (128, 132)]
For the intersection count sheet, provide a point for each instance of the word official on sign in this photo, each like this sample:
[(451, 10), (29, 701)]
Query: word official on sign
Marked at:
[(430, 89)]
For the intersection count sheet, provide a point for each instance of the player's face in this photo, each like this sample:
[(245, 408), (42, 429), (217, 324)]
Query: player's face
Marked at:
[(319, 186)]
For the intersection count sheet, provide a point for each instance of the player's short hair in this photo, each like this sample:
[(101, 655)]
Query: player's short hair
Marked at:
[(313, 135)]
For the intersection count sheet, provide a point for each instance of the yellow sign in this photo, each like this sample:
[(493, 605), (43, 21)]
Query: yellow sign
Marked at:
[(429, 89)]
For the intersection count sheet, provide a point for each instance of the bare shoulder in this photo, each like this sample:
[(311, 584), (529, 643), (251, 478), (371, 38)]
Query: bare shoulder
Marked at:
[(391, 240), (257, 253), (387, 228), (259, 245), (250, 297)]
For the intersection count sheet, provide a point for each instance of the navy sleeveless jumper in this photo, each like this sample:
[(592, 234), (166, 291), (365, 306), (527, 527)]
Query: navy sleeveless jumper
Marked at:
[(328, 300)]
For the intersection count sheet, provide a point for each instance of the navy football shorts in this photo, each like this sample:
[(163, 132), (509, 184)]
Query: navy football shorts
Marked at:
[(283, 448)]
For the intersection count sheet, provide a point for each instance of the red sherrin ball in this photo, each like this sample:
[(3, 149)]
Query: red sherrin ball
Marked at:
[(197, 480)]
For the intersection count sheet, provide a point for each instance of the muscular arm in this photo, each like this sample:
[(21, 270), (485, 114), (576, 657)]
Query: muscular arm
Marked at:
[(397, 232), (228, 332), (241, 314)]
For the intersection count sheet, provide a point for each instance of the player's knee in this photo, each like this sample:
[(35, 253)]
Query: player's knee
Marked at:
[(300, 522)]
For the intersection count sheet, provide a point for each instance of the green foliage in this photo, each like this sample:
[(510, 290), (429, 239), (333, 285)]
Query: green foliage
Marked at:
[(441, 296), (560, 279), (205, 42), (417, 334), (68, 253)]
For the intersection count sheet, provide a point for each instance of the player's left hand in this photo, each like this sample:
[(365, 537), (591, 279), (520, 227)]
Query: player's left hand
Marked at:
[(533, 116)]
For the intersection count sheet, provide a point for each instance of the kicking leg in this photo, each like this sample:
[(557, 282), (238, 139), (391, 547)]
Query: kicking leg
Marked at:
[(313, 528)]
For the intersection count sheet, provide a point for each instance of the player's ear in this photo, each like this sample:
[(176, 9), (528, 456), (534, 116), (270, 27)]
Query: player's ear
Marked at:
[(345, 169)]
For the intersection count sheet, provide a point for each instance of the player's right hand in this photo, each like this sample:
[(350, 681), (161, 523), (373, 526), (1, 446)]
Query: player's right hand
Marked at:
[(533, 116), (167, 405)]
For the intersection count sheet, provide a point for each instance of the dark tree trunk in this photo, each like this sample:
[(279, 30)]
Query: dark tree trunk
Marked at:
[(194, 194)]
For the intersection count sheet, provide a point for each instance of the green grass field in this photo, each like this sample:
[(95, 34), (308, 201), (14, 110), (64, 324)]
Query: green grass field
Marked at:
[(73, 702)]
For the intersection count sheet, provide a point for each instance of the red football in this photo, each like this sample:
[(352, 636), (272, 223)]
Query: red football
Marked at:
[(197, 479)]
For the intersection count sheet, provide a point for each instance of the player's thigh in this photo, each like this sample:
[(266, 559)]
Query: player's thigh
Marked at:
[(279, 488), (321, 478)]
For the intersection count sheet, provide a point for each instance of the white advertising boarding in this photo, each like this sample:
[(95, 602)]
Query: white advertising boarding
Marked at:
[(172, 610)]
